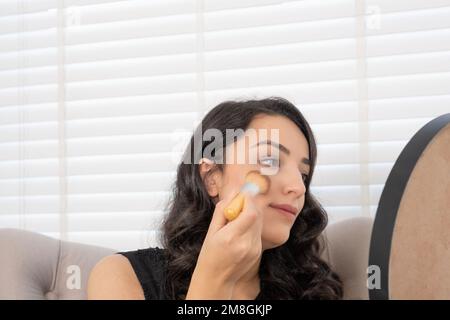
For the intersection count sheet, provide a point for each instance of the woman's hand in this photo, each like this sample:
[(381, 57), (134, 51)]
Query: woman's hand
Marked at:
[(229, 251)]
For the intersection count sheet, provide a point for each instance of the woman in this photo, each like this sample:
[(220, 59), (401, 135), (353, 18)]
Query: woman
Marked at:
[(270, 251)]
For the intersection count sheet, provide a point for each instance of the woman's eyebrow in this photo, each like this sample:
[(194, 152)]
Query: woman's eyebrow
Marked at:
[(281, 148)]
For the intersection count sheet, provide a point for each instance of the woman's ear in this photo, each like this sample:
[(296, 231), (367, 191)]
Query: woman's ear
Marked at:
[(211, 177)]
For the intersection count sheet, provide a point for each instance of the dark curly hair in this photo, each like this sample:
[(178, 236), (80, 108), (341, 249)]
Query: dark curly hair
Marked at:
[(293, 270)]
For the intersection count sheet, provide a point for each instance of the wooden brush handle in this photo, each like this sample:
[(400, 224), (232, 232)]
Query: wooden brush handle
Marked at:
[(235, 207)]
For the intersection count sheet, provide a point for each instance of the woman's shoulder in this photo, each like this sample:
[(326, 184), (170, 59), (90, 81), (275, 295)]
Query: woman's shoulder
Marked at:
[(137, 274), (125, 285), (147, 262), (149, 266)]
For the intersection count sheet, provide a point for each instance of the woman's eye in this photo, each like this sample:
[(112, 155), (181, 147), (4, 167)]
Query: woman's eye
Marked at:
[(269, 162)]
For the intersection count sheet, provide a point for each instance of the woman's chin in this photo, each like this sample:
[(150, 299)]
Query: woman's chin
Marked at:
[(275, 241)]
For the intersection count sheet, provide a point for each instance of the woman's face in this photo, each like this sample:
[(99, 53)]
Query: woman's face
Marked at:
[(285, 162)]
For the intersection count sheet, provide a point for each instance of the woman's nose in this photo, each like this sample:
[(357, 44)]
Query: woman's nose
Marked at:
[(292, 182)]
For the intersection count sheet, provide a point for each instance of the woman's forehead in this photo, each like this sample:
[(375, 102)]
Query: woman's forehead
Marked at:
[(268, 127)]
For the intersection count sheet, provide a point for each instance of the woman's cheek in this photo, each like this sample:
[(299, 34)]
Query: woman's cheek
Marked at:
[(262, 204)]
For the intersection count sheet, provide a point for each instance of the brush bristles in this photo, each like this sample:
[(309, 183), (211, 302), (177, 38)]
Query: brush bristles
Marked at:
[(263, 182)]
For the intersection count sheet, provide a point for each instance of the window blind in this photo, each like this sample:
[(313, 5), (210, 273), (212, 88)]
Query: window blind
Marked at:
[(97, 98)]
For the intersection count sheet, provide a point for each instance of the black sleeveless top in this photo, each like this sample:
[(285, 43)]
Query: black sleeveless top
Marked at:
[(149, 265)]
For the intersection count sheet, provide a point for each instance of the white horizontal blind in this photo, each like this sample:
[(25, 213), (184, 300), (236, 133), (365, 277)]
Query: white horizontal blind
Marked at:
[(95, 95), (29, 157)]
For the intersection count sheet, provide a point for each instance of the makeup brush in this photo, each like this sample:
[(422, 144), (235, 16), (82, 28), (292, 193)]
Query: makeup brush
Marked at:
[(255, 183)]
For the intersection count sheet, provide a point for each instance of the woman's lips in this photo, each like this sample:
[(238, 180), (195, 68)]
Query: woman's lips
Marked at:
[(285, 208)]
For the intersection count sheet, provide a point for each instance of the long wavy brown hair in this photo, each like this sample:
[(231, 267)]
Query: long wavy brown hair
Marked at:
[(293, 270)]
